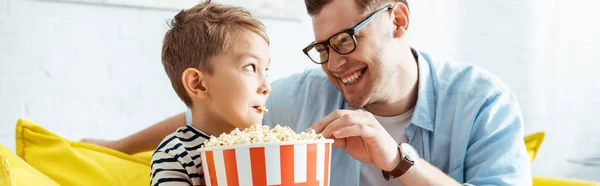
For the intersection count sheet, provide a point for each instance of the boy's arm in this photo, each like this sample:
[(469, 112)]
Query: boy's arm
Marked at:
[(144, 140), (166, 170)]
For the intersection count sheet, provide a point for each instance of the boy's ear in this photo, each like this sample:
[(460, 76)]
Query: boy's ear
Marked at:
[(194, 83)]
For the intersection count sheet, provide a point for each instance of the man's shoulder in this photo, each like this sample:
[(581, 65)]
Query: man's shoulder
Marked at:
[(309, 87), (453, 78), (300, 81), (300, 99), (459, 91)]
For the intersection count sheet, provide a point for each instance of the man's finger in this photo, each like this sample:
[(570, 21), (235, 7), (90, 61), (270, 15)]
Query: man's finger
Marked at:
[(335, 125), (321, 124), (352, 131), (339, 143)]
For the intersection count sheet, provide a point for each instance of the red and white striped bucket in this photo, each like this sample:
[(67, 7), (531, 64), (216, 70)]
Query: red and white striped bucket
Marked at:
[(287, 163)]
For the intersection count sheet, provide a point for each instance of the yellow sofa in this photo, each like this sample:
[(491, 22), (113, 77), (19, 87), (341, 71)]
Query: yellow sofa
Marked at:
[(44, 158), (533, 143), (545, 181), (15, 171), (68, 162)]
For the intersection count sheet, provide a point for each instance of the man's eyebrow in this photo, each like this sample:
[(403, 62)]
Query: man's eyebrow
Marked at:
[(340, 31)]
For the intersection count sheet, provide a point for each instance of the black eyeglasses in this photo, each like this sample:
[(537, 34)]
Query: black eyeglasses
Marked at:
[(343, 42)]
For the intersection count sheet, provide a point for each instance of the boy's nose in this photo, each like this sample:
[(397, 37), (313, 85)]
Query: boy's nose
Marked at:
[(264, 89)]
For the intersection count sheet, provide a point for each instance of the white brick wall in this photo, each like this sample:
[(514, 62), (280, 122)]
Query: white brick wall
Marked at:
[(93, 71)]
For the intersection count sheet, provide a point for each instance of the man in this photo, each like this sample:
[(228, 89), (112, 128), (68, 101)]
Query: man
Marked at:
[(401, 113)]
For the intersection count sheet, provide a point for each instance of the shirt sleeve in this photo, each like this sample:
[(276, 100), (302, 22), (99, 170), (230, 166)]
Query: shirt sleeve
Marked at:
[(496, 153), (167, 171)]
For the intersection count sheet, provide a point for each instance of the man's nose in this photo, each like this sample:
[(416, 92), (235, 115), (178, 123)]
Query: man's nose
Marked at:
[(336, 61)]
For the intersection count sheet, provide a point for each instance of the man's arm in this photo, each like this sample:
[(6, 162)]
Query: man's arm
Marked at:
[(363, 138), (496, 153), (144, 140), (423, 173)]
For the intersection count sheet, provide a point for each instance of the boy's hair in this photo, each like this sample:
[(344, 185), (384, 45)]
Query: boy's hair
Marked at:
[(198, 34), (314, 7)]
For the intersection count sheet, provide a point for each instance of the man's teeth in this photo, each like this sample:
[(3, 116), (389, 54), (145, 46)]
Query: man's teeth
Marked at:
[(352, 78)]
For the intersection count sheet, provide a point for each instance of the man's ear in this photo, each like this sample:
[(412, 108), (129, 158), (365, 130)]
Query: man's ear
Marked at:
[(194, 83), (401, 19)]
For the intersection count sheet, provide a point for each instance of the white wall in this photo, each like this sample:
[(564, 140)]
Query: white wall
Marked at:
[(94, 71), (564, 98), (547, 51)]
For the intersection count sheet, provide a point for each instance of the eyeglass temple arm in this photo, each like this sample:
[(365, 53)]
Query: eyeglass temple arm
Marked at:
[(371, 17)]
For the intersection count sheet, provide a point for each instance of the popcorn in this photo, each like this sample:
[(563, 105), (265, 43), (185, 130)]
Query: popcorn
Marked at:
[(263, 109), (260, 134)]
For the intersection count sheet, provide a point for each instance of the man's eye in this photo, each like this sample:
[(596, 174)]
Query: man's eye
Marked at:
[(250, 67), (321, 49), (344, 39)]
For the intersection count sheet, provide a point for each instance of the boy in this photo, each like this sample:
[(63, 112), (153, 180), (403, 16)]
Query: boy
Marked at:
[(216, 57)]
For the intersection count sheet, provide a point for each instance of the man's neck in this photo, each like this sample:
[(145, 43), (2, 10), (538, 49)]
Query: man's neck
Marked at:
[(397, 101), (208, 122)]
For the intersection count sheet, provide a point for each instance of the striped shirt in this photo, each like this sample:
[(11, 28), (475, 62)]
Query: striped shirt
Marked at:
[(176, 162)]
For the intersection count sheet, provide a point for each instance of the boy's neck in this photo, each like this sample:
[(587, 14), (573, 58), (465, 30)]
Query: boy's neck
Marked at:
[(208, 123)]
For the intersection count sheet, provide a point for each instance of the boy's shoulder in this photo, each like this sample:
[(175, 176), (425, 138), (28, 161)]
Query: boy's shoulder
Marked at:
[(176, 158), (186, 138)]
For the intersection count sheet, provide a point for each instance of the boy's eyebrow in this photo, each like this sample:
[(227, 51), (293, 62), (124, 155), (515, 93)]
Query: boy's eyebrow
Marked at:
[(251, 55)]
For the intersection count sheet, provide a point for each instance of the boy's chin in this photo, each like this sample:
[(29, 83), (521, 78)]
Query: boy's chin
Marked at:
[(248, 125)]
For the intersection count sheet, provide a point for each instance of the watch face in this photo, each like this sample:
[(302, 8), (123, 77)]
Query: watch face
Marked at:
[(409, 152)]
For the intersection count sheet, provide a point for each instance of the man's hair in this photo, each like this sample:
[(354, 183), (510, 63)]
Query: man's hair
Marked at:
[(198, 34), (314, 7)]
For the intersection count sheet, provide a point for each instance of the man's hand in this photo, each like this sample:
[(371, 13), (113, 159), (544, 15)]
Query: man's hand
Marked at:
[(361, 136)]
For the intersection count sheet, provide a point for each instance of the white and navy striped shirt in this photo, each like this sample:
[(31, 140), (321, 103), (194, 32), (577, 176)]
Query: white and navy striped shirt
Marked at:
[(176, 161)]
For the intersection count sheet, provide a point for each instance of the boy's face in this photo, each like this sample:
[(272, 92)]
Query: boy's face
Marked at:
[(239, 83)]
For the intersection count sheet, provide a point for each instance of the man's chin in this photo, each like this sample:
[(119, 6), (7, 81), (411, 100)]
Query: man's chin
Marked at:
[(356, 102)]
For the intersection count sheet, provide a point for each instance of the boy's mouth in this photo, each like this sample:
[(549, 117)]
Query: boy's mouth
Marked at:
[(260, 108)]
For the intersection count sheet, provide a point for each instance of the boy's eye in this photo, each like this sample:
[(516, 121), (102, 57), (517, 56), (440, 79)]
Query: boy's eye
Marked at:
[(250, 67), (267, 72)]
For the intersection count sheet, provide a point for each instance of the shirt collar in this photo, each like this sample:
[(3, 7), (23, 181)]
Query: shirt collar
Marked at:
[(424, 113)]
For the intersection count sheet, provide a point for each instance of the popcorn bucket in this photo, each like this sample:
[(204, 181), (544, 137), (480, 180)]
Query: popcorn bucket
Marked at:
[(302, 162)]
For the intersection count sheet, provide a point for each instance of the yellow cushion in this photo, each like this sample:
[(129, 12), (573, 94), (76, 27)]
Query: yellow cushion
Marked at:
[(532, 143), (544, 181), (14, 171), (6, 178), (77, 163), (144, 156)]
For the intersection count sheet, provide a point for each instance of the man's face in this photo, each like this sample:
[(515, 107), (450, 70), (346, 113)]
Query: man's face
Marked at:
[(360, 75)]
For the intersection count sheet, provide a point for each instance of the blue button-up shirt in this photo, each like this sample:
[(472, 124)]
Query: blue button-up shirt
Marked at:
[(466, 122)]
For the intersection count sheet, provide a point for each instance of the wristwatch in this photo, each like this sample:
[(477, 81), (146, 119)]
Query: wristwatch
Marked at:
[(408, 157)]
